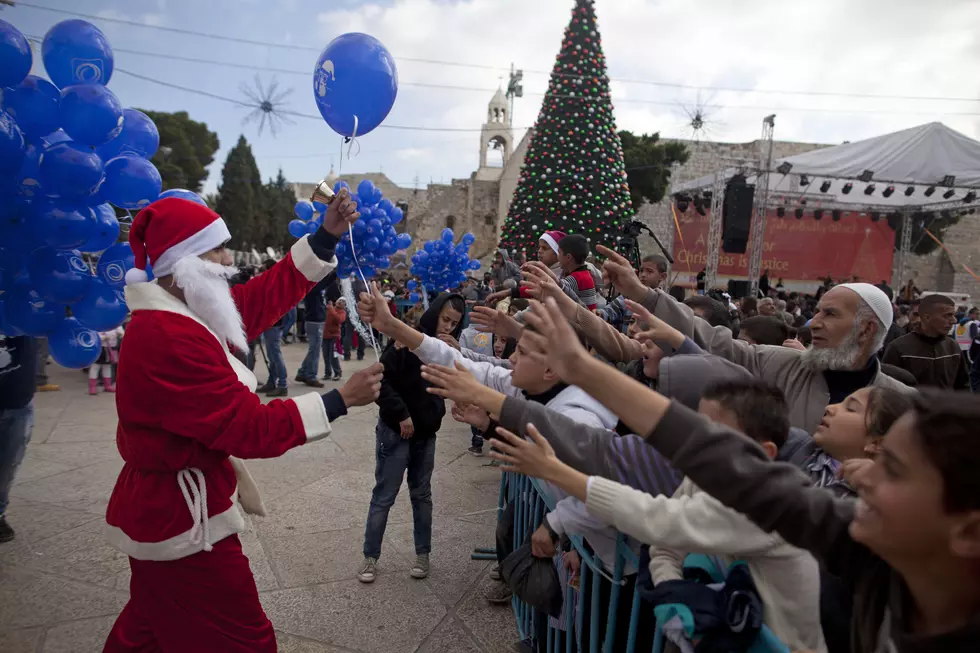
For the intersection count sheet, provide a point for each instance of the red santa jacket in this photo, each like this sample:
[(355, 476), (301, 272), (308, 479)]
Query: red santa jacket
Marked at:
[(186, 404)]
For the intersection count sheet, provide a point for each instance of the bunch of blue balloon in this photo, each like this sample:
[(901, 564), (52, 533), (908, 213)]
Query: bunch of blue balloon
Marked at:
[(375, 239), (440, 265), (69, 152)]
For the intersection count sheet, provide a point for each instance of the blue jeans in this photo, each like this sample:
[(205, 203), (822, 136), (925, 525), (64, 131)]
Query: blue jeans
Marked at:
[(394, 456), (314, 338), (288, 320), (16, 425), (477, 439), (273, 349)]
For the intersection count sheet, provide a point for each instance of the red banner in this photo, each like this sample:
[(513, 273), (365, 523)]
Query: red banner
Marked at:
[(800, 251)]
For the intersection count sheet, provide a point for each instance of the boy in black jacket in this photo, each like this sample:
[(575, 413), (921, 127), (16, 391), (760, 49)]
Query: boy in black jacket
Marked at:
[(406, 439)]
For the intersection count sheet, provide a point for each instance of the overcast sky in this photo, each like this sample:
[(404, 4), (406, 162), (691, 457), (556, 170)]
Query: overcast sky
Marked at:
[(780, 56)]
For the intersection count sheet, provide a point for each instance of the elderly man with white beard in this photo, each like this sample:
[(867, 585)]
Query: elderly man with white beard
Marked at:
[(848, 329), (186, 406)]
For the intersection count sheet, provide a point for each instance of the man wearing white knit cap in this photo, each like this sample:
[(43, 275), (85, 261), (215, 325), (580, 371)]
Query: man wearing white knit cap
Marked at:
[(849, 329)]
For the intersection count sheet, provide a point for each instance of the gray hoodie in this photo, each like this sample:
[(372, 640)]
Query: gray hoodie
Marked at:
[(506, 270)]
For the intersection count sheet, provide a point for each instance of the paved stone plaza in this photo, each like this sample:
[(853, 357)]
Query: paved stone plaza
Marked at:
[(61, 586)]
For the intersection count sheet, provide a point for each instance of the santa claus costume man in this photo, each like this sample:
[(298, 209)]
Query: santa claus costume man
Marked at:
[(186, 406)]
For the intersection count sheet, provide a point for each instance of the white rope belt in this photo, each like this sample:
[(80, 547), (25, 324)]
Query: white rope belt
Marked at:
[(195, 491)]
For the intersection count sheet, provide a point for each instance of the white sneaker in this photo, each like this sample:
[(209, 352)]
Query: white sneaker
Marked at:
[(369, 571), (421, 567)]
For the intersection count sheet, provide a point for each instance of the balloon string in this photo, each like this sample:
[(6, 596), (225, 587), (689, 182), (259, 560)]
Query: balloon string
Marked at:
[(425, 297), (367, 288)]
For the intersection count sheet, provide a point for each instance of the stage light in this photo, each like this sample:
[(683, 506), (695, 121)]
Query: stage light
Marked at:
[(866, 176), (930, 191), (784, 168), (835, 214), (804, 180), (780, 212), (798, 213), (949, 181), (682, 202), (949, 194), (847, 188), (970, 197), (875, 216), (817, 214), (888, 191), (870, 189), (825, 186), (909, 191)]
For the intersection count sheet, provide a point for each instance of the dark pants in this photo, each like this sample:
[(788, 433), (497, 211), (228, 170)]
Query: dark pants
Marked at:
[(645, 620), (331, 361), (477, 439), (395, 455)]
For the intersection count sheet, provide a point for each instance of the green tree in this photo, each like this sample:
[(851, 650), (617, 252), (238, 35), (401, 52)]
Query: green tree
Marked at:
[(241, 197), (574, 177), (280, 200), (937, 222), (648, 165), (187, 148)]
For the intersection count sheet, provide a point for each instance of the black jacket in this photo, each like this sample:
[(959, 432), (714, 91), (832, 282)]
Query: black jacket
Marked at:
[(933, 361), (316, 307), (17, 370), (403, 391)]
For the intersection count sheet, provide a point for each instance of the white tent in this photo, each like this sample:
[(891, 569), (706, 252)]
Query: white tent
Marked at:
[(931, 155)]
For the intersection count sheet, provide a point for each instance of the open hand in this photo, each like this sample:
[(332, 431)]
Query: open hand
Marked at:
[(363, 387), (553, 343), (542, 283), (455, 383), (449, 340), (472, 415), (372, 307), (657, 330), (491, 320), (340, 213), (493, 298), (532, 456), (621, 274)]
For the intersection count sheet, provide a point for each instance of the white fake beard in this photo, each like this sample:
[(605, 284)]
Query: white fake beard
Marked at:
[(843, 357), (206, 291)]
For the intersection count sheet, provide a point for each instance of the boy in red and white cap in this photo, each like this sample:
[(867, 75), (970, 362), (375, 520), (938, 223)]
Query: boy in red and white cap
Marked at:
[(186, 405)]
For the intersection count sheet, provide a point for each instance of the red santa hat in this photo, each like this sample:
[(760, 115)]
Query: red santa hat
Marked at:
[(552, 238), (170, 229)]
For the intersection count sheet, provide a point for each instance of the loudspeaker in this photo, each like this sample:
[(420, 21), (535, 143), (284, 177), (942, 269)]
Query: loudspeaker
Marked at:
[(737, 288), (736, 215)]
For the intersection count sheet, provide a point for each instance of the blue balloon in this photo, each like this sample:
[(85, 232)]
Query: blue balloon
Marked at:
[(340, 183), (15, 55), (55, 137), (114, 263), (355, 83), (60, 224), (396, 215), (70, 170), (382, 262), (371, 244), (403, 241), (474, 265), (360, 229), (59, 276), (12, 145), (414, 297), (102, 308), (303, 210), (374, 227), (311, 227), (26, 183), (105, 232), (139, 137), (411, 284), (76, 52), (468, 239), (386, 205), (149, 270), (447, 235), (131, 182), (365, 190), (429, 246), (73, 345), (34, 105), (297, 228), (183, 194), (29, 313), (90, 113)]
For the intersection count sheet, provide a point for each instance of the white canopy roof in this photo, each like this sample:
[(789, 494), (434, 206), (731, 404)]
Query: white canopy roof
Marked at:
[(922, 156)]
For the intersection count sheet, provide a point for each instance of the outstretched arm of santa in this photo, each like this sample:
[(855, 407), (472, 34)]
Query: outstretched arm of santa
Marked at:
[(269, 296)]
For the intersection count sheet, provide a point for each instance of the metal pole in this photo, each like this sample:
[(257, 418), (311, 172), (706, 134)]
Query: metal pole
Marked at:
[(714, 230), (904, 249), (759, 224)]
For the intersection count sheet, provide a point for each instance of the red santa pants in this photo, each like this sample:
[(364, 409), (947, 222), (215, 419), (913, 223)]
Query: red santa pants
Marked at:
[(204, 602)]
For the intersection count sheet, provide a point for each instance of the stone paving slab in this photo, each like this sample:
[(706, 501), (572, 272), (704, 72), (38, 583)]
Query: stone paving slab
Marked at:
[(61, 586)]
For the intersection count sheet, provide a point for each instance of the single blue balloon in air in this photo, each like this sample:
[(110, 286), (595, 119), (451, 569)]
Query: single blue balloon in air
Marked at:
[(131, 182), (62, 224), (70, 170), (12, 145), (304, 210), (102, 308), (297, 228), (34, 105), (447, 235), (28, 313), (73, 345), (114, 263), (403, 241), (355, 83), (77, 52), (59, 276), (184, 194), (474, 264), (15, 55), (105, 231), (90, 113), (139, 137), (365, 190)]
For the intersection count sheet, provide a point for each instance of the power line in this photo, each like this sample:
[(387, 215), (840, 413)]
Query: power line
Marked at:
[(677, 85)]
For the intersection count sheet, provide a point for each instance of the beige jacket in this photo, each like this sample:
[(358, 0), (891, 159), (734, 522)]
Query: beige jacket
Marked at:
[(806, 390)]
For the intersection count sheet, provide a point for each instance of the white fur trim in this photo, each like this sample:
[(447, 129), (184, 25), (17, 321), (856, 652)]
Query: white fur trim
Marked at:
[(552, 243), (136, 275), (307, 262), (314, 416), (213, 235), (248, 491), (220, 526)]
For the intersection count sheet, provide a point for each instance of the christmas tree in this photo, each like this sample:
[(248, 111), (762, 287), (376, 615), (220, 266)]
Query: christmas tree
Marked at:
[(573, 178)]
